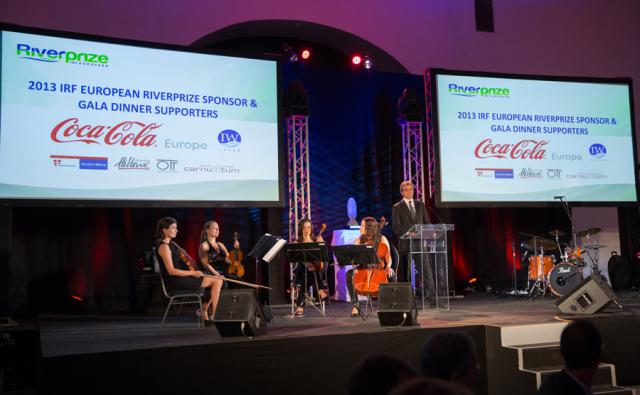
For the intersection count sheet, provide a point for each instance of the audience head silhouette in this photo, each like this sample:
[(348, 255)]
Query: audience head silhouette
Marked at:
[(450, 356), (378, 374)]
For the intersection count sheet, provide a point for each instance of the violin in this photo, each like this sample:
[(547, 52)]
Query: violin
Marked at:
[(319, 265), (367, 281), (235, 267), (191, 263)]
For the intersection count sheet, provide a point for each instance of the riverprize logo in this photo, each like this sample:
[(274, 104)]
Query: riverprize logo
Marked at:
[(50, 55), (483, 91)]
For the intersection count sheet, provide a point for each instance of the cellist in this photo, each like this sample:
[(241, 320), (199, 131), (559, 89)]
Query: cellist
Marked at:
[(369, 235)]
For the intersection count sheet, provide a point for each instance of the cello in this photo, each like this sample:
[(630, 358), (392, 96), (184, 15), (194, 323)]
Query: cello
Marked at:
[(366, 281)]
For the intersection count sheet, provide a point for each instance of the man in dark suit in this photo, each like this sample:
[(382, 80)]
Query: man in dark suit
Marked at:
[(581, 348), (405, 214)]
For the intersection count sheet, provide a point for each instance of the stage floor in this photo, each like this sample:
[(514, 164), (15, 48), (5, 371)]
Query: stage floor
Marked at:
[(81, 334)]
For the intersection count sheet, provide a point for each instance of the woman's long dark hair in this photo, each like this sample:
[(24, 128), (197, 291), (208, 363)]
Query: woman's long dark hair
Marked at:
[(163, 223), (300, 225), (371, 230)]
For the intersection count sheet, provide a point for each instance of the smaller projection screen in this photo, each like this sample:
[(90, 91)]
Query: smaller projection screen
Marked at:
[(527, 140), (90, 120)]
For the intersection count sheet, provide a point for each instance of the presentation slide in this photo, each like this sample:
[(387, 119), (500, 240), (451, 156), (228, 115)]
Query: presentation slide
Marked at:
[(87, 120), (531, 140)]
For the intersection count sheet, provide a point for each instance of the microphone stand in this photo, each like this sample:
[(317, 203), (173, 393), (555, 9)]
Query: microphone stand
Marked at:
[(435, 212), (565, 206), (515, 278)]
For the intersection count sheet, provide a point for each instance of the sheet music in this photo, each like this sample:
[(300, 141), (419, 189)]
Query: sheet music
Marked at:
[(274, 250)]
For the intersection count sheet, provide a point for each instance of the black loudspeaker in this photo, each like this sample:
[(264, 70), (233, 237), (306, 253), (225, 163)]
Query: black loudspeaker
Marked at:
[(591, 296), (396, 305), (239, 314)]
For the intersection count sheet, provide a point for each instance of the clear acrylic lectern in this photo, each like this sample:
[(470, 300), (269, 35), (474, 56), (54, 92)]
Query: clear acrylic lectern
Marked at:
[(428, 251)]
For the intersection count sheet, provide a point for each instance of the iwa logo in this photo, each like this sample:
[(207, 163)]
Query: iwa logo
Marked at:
[(597, 150), (25, 51), (229, 138), (469, 91)]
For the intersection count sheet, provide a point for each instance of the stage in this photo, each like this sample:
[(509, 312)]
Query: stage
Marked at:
[(315, 354)]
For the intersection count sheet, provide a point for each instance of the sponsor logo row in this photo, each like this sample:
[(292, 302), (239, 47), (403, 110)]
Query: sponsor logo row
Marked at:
[(531, 173), (533, 150), (133, 133), (129, 163)]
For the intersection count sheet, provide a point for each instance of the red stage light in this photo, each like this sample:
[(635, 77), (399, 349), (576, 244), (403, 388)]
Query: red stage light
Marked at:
[(473, 280), (76, 298), (305, 54), (356, 60)]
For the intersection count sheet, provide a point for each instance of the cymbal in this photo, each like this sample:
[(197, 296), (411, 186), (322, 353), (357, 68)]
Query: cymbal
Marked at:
[(556, 232), (588, 232), (540, 243), (594, 246)]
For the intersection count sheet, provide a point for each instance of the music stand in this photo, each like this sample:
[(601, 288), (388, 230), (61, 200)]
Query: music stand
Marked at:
[(265, 250), (360, 255), (301, 253)]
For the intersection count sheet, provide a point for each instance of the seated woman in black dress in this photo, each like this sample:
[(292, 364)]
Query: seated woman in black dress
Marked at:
[(308, 276), (212, 253), (178, 274)]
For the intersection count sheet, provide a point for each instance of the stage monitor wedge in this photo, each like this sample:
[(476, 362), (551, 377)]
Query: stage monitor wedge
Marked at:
[(526, 140), (95, 121), (239, 314), (591, 296), (396, 305)]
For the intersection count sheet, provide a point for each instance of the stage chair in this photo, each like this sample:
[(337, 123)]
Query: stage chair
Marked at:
[(178, 297)]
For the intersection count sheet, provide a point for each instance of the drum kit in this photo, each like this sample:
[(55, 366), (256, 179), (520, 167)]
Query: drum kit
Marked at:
[(559, 276)]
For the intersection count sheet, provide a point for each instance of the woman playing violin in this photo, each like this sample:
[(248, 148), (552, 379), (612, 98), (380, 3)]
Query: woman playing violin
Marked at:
[(369, 234), (308, 276), (179, 272), (212, 253)]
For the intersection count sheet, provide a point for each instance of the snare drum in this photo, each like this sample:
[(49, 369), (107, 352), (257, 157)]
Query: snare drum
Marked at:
[(563, 278), (545, 262)]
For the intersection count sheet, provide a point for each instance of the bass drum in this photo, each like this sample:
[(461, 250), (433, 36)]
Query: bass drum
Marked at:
[(563, 278)]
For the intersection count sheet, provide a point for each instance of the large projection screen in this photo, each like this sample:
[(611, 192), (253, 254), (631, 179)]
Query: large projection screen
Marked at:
[(102, 122), (526, 140)]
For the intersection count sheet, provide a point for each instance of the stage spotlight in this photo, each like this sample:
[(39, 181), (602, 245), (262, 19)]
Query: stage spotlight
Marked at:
[(368, 64), (289, 54), (356, 60), (305, 54)]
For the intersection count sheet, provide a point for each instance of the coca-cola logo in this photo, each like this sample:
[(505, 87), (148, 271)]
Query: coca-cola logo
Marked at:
[(124, 133), (523, 149)]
